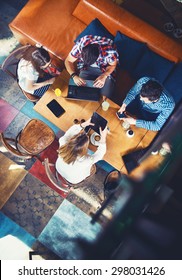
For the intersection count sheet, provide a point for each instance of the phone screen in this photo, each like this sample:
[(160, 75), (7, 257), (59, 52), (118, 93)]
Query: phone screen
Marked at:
[(56, 108), (120, 115)]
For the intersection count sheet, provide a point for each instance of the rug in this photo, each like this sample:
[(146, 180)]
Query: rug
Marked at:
[(32, 205), (64, 230)]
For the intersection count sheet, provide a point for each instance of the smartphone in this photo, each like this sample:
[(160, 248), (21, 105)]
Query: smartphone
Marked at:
[(120, 115), (56, 108)]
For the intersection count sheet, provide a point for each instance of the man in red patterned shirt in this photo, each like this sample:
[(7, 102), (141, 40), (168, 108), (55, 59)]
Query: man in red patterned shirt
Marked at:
[(96, 58)]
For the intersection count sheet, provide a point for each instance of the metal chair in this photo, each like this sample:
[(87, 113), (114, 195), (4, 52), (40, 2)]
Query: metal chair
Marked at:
[(57, 180), (35, 137), (60, 182), (10, 65)]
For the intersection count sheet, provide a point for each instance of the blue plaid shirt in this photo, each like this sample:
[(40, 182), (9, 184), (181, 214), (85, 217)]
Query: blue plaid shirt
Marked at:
[(164, 106), (108, 53)]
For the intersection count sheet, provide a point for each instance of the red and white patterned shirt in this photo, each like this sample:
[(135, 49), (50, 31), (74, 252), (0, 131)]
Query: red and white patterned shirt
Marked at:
[(108, 52)]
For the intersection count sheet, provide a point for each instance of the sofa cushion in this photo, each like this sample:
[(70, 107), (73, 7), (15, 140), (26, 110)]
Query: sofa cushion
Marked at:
[(153, 65), (173, 83), (130, 51), (95, 28)]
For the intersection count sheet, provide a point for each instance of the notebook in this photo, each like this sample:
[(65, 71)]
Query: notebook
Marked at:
[(87, 92)]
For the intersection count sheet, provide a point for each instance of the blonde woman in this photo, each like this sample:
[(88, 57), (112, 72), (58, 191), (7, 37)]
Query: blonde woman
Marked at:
[(74, 163)]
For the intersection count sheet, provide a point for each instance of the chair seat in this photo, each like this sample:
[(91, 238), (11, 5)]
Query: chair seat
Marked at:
[(35, 137)]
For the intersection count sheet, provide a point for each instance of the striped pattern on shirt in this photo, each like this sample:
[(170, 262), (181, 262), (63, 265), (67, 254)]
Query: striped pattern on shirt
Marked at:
[(164, 106)]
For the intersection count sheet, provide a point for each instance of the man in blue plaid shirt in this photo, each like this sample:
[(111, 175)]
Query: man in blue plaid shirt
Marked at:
[(96, 58), (149, 104)]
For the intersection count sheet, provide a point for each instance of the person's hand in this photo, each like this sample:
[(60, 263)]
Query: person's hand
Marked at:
[(122, 108), (100, 81), (103, 134), (87, 123), (50, 81), (130, 120), (79, 81)]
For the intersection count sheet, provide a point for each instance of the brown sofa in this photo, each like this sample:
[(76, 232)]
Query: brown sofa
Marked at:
[(55, 24)]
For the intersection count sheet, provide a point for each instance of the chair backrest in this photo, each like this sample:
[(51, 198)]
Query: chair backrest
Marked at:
[(35, 137), (60, 184), (10, 65), (111, 183), (10, 146), (11, 62)]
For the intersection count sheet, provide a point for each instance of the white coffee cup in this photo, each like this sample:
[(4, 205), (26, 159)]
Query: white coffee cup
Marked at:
[(130, 133), (105, 105)]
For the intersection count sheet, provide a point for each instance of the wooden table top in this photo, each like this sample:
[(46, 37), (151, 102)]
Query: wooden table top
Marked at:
[(118, 143)]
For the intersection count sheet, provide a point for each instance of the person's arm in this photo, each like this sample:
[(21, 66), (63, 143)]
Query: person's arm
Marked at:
[(132, 93), (158, 123), (73, 130), (70, 67), (31, 85), (100, 81), (101, 150)]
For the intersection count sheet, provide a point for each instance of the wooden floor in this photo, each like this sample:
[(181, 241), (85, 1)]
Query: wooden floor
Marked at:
[(11, 174)]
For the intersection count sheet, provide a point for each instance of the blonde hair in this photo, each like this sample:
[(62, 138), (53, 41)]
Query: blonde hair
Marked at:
[(76, 146)]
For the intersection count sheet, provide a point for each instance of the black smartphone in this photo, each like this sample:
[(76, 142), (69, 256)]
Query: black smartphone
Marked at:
[(120, 115), (98, 121), (55, 108)]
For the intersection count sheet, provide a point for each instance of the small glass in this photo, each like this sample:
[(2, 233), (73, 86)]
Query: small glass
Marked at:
[(125, 125), (130, 133), (163, 151), (168, 26), (105, 105), (166, 149), (58, 92)]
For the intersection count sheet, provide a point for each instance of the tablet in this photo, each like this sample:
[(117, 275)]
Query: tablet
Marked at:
[(55, 108), (98, 121)]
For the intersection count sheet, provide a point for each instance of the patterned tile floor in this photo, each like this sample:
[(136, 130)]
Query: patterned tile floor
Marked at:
[(35, 206)]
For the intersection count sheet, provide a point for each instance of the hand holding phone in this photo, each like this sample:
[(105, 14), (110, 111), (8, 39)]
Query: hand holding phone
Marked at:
[(121, 115)]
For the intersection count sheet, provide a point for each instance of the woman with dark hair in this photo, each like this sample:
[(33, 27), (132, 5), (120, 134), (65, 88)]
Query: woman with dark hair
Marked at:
[(32, 75), (74, 163)]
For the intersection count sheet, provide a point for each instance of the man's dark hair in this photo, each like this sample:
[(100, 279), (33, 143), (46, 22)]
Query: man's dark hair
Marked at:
[(152, 90), (90, 54)]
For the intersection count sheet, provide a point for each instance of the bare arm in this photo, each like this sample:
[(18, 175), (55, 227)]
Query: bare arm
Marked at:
[(100, 81), (33, 86), (70, 67)]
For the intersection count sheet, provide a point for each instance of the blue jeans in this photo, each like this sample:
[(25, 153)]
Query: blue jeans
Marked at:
[(91, 73)]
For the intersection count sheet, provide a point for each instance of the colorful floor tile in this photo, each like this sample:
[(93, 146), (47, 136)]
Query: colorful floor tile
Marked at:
[(11, 176), (63, 237), (28, 110), (7, 114), (38, 169), (32, 205), (90, 193), (10, 227), (15, 242)]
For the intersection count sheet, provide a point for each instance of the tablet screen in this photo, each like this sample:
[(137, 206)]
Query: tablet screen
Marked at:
[(98, 121)]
